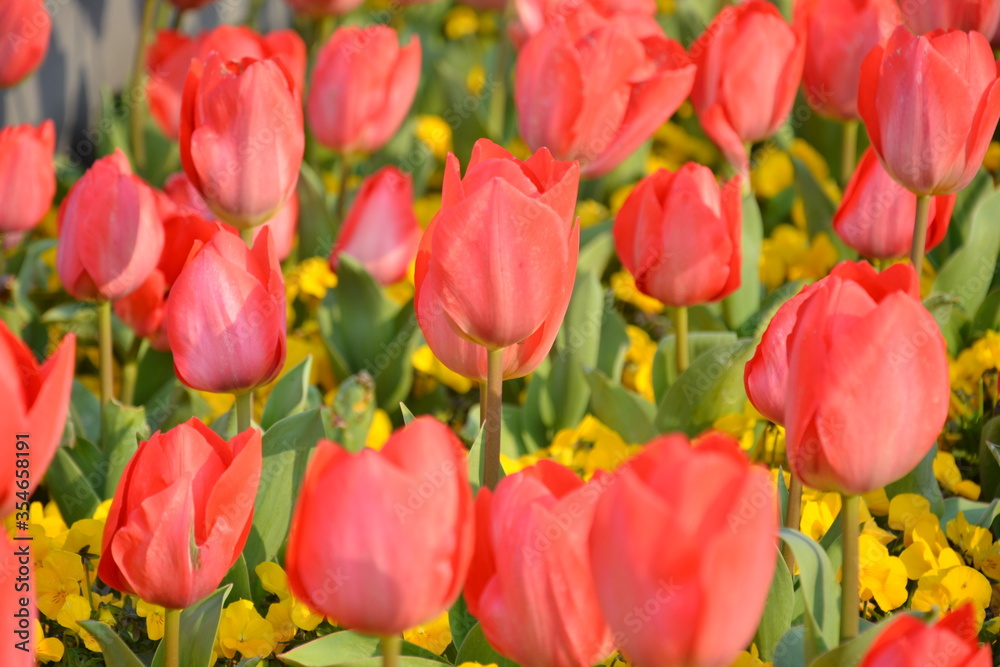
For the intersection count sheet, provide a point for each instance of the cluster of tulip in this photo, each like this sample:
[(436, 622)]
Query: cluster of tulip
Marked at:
[(662, 547)]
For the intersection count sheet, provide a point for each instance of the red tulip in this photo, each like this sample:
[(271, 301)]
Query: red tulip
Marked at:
[(27, 175), (226, 316), (241, 137), (838, 37), (639, 16), (876, 214), (110, 232), (181, 514), (674, 261), (929, 122), (909, 642), (362, 87), (183, 233), (497, 263), (593, 89), (684, 545), (531, 585), (749, 66), (35, 402), (765, 376), (868, 388), (318, 8), (923, 17), (25, 26), (382, 541), (169, 58), (381, 230), (17, 591), (144, 309)]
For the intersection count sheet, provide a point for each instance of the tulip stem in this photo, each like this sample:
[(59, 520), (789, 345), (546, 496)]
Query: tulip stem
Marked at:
[(793, 517), (106, 356), (848, 151), (244, 411), (850, 599), (920, 233), (172, 638), (494, 413), (247, 235), (345, 175), (130, 372), (391, 645), (135, 96), (681, 329), (482, 404)]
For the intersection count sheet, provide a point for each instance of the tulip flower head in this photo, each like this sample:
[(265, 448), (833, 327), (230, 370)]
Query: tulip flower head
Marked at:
[(26, 27), (907, 641), (27, 175)]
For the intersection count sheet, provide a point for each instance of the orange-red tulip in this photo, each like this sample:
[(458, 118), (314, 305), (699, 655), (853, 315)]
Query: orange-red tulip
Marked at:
[(592, 89), (181, 514), (381, 231), (241, 137), (749, 66), (683, 546), (169, 58), (922, 16), (17, 599), (110, 231), (673, 260), (35, 402), (876, 214), (531, 584), (144, 310), (839, 35), (868, 386), (496, 265), (27, 175), (909, 642), (930, 121), (382, 540), (226, 316), (362, 87), (25, 26)]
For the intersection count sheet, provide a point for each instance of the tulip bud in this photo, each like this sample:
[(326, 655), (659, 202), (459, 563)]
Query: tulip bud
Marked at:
[(27, 175), (110, 232), (181, 514), (25, 26)]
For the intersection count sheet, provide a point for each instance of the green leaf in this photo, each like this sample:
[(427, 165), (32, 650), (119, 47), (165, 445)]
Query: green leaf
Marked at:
[(72, 491), (665, 360), (595, 254), (316, 226), (123, 428), (621, 410), (407, 415), (475, 648), (921, 481), (710, 388), (819, 209), (249, 662), (114, 650), (777, 617), (354, 649), (85, 412), (460, 621), (850, 653), (790, 651), (289, 396), (614, 344), (951, 319), (744, 302), (820, 593), (287, 447), (353, 411), (968, 272), (239, 578), (988, 316), (989, 465), (199, 626), (976, 513), (476, 462)]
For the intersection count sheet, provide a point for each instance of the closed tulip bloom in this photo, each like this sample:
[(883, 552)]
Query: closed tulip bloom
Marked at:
[(495, 262), (25, 26), (226, 316), (923, 17), (241, 137), (319, 8), (381, 540), (593, 90), (17, 585), (381, 231), (884, 393), (876, 214), (749, 66), (686, 538), (765, 376), (931, 104), (181, 514), (35, 402), (907, 642), (679, 235), (362, 87), (531, 584), (839, 35), (110, 232), (27, 175), (169, 58)]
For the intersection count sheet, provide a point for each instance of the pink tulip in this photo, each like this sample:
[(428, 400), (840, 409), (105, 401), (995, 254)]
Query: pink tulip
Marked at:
[(25, 26), (922, 16), (27, 175)]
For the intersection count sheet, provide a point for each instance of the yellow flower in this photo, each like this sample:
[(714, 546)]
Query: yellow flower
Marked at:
[(949, 589), (882, 576), (991, 161), (591, 212), (460, 22), (47, 649), (155, 618), (101, 513), (772, 173), (305, 618), (423, 360), (619, 196), (673, 146), (53, 589), (946, 472), (477, 664), (975, 541), (623, 286), (819, 510), (929, 550), (475, 80), (877, 502), (273, 579), (750, 658), (434, 635), (310, 278), (518, 148), (76, 609), (426, 207), (243, 630), (789, 255), (379, 431), (904, 512), (637, 373), (279, 615), (434, 132)]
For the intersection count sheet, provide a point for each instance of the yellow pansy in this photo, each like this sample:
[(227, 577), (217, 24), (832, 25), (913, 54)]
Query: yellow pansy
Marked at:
[(772, 173), (434, 132), (929, 550), (155, 618), (310, 278), (990, 564), (591, 212), (787, 254), (904, 512), (877, 502), (273, 579), (819, 511), (624, 289), (946, 472), (518, 148), (619, 196), (673, 146), (749, 658), (949, 589), (881, 534), (426, 207), (379, 431), (47, 649), (305, 618), (423, 360), (475, 80), (102, 511), (882, 577), (401, 291), (279, 615), (975, 541), (218, 404), (461, 21), (77, 609), (243, 630), (477, 664), (434, 635), (52, 589), (637, 373)]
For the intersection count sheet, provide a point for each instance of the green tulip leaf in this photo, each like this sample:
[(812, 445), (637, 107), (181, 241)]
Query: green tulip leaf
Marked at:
[(968, 273), (407, 415), (69, 487), (778, 611), (820, 593), (316, 226), (460, 621), (921, 481), (819, 208), (665, 360), (341, 649), (199, 626), (123, 428), (790, 651), (740, 306), (239, 578), (989, 464), (114, 650), (85, 412), (619, 409), (475, 648), (595, 254), (289, 396)]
